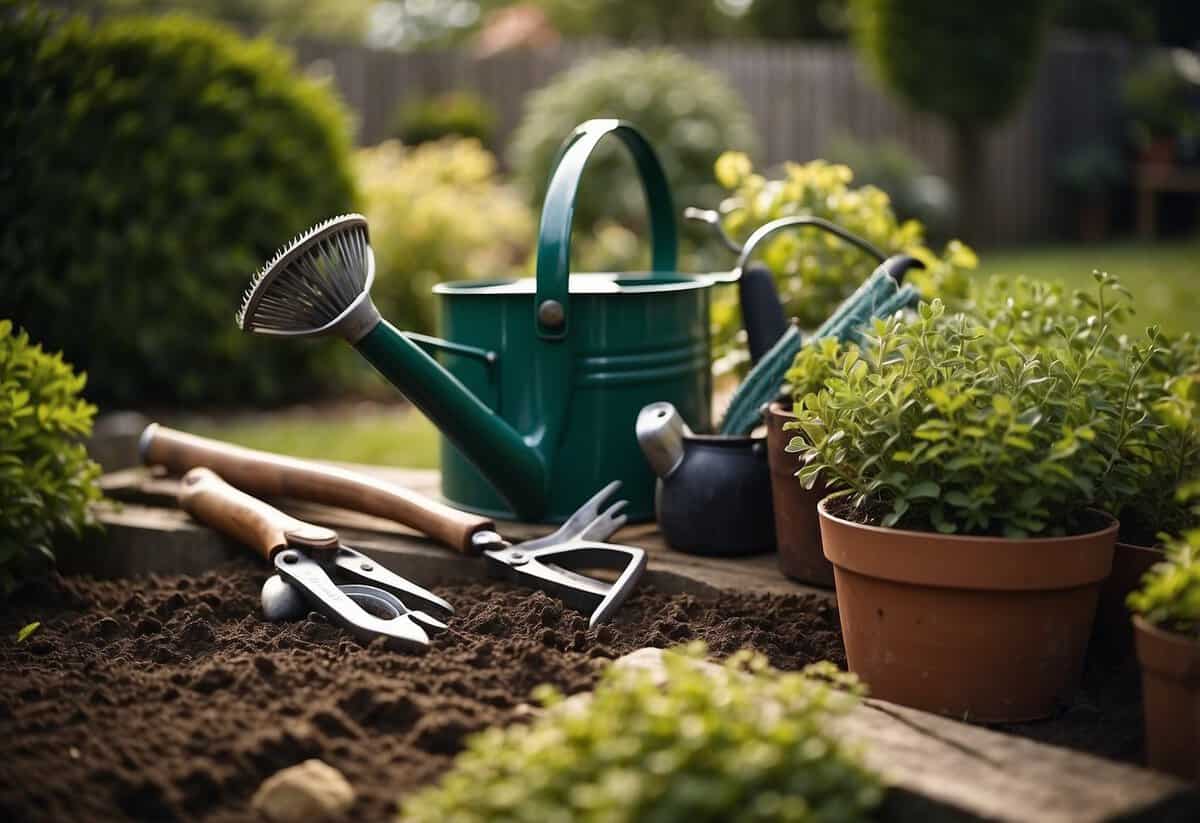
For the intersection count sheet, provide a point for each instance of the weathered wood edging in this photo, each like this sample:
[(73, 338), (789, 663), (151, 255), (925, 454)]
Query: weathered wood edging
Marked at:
[(938, 769)]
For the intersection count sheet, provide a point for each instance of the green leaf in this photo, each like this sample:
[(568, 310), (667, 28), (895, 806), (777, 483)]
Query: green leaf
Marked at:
[(924, 489), (27, 630)]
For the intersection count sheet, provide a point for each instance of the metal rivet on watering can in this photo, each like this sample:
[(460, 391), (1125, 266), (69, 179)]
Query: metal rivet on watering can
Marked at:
[(551, 314)]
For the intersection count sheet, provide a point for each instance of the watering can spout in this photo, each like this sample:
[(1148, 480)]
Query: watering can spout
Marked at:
[(513, 466), (661, 432)]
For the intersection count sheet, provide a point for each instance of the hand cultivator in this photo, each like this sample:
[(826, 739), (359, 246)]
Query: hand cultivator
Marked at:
[(308, 557), (542, 562)]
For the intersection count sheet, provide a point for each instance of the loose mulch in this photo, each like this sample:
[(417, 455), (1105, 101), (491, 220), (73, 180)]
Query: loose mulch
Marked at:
[(169, 698)]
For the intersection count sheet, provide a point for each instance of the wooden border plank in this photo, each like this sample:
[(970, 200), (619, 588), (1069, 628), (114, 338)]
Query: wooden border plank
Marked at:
[(938, 769)]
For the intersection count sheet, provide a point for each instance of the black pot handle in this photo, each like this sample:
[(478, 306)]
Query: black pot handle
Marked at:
[(899, 265), (762, 311)]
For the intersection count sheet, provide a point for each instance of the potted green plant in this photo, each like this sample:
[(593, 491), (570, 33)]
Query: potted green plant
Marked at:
[(968, 551), (1169, 457), (797, 530), (1156, 96), (1023, 309), (1167, 627)]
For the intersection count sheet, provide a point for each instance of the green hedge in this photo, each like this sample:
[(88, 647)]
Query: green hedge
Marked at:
[(158, 163)]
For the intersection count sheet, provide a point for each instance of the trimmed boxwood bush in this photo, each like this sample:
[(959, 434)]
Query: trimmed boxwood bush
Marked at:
[(46, 478), (152, 165), (688, 113)]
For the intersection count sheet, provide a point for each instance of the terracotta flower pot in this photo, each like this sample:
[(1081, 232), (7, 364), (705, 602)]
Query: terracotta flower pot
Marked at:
[(982, 628), (797, 528), (1112, 636), (1170, 699)]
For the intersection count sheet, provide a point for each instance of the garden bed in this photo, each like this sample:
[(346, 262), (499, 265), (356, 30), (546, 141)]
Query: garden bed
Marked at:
[(169, 697)]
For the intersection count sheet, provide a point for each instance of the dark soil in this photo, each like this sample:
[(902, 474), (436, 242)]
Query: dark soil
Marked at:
[(168, 698)]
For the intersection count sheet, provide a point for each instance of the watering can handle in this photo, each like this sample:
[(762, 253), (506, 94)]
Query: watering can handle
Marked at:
[(551, 302)]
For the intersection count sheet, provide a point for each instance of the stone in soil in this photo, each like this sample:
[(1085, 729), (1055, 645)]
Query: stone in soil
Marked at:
[(169, 698)]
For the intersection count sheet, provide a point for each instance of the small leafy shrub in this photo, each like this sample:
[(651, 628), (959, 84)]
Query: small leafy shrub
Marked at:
[(1169, 596), (814, 365), (46, 478), (688, 113), (164, 161), (1023, 311), (746, 743), (816, 271), (1165, 454), (1170, 391), (457, 114), (954, 424), (437, 212)]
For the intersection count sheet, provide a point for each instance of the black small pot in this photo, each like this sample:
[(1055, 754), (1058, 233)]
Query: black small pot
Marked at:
[(717, 501), (714, 491)]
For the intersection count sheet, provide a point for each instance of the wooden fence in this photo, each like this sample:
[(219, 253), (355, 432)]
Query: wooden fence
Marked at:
[(801, 95)]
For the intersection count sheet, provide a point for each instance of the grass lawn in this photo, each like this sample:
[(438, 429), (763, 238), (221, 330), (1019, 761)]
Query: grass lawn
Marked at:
[(1164, 277), (367, 433)]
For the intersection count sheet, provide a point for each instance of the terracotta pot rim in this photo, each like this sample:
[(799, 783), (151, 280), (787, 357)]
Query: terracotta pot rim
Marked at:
[(976, 539), (1127, 545), (968, 562), (776, 408), (1175, 638), (1167, 654)]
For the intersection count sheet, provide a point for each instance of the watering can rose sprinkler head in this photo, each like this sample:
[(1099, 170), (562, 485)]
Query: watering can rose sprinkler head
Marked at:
[(319, 285)]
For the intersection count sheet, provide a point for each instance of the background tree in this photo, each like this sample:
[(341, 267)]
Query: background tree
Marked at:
[(968, 63)]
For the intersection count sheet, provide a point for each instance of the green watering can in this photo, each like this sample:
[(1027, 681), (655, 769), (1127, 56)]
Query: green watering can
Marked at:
[(538, 382)]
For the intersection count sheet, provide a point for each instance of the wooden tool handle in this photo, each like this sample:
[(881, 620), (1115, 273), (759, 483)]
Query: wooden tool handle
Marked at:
[(275, 476), (212, 501)]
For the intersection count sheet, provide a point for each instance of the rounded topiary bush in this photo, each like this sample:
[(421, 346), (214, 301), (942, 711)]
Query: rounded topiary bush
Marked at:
[(689, 113), (157, 164)]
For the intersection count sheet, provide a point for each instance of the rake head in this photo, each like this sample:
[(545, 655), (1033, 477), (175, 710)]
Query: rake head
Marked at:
[(317, 284)]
